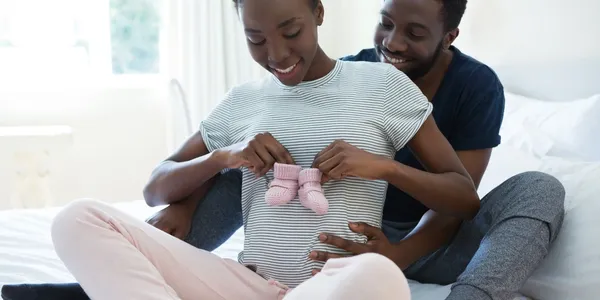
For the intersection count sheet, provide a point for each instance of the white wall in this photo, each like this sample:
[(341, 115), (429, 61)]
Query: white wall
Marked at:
[(119, 136), (348, 26), (517, 31)]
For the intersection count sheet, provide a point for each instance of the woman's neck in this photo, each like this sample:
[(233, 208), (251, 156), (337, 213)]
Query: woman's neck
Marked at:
[(320, 66)]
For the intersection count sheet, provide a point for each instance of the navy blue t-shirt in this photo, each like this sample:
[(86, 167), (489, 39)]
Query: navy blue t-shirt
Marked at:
[(468, 108)]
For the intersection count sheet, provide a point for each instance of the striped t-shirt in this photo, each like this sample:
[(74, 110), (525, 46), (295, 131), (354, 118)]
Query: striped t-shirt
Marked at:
[(372, 106)]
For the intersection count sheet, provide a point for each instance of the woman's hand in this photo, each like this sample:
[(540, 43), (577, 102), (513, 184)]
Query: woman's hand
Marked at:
[(258, 154), (377, 242), (340, 160)]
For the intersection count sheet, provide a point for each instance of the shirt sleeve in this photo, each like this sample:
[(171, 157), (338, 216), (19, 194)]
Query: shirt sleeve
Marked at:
[(480, 116), (405, 108), (215, 128)]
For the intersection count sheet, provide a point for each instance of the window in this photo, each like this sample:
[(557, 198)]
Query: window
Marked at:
[(74, 38)]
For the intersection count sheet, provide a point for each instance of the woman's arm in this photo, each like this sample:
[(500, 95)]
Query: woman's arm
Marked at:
[(184, 172), (446, 187)]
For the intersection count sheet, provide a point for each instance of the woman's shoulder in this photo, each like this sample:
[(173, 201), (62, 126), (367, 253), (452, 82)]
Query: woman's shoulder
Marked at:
[(373, 75), (365, 66), (248, 90)]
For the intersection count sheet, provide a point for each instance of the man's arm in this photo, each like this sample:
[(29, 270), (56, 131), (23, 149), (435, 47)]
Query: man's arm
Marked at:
[(435, 230)]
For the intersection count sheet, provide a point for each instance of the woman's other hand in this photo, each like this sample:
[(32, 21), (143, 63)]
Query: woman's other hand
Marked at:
[(258, 154), (341, 159)]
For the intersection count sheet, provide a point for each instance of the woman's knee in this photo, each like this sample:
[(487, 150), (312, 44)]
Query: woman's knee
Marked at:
[(68, 225), (379, 274)]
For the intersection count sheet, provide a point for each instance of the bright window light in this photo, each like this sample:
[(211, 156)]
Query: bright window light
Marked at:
[(74, 38)]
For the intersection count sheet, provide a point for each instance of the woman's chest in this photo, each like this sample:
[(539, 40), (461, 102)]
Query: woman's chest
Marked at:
[(305, 128)]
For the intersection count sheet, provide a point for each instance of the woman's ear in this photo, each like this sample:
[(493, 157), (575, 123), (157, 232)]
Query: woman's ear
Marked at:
[(319, 13)]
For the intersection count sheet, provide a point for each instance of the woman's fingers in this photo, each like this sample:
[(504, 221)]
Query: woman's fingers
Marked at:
[(263, 152)]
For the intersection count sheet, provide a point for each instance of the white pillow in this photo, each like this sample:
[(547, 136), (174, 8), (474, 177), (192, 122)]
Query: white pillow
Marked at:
[(572, 268), (571, 128)]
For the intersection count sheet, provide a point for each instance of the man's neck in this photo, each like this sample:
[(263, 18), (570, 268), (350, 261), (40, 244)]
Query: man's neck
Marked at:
[(430, 82)]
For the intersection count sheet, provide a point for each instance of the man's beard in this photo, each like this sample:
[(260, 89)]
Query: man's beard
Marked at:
[(423, 68)]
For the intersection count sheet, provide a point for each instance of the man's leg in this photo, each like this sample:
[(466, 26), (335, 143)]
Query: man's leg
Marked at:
[(493, 255), (217, 217)]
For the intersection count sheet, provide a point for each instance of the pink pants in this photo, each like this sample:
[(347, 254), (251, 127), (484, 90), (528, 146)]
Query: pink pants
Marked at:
[(115, 256)]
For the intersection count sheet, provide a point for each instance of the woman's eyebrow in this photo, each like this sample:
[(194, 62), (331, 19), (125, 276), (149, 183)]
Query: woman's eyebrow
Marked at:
[(280, 25)]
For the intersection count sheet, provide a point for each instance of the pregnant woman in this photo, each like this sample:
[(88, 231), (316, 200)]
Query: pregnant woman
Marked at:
[(311, 110)]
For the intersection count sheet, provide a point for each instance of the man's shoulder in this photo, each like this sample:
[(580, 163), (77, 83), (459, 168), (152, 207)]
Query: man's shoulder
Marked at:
[(472, 73), (368, 54)]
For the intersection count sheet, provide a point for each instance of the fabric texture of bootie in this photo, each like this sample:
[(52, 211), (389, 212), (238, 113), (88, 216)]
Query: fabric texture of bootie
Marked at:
[(310, 191), (284, 186)]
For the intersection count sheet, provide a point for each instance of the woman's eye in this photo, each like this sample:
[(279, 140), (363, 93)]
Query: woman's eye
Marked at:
[(256, 41), (386, 25), (293, 35)]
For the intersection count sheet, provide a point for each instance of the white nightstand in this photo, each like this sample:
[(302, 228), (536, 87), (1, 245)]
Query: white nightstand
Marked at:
[(32, 149)]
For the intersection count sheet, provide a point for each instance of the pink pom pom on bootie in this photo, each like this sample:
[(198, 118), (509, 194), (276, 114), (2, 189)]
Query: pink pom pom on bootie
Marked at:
[(284, 186), (311, 193)]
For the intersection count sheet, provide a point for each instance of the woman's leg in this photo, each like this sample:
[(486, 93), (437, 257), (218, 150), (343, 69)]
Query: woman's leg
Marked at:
[(492, 256), (366, 276), (217, 217), (115, 256)]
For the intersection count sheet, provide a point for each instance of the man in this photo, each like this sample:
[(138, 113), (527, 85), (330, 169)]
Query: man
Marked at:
[(489, 257)]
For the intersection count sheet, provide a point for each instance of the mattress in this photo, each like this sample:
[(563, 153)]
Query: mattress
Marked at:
[(27, 255)]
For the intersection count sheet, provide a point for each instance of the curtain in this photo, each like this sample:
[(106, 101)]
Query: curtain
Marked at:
[(207, 55)]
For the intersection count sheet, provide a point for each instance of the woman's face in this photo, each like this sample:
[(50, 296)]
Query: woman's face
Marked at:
[(282, 35)]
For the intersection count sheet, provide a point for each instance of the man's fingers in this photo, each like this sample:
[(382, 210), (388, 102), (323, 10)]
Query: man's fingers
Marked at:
[(323, 256), (371, 232), (350, 246)]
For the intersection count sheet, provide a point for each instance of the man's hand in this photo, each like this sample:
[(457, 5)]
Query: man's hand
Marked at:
[(175, 219), (340, 160), (377, 242)]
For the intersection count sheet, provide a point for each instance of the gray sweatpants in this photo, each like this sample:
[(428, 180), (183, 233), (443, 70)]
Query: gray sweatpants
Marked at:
[(490, 257)]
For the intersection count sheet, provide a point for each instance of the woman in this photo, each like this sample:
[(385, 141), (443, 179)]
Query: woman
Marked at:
[(343, 117)]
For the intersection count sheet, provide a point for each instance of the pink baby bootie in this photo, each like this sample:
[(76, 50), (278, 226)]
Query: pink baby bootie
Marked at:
[(311, 193), (284, 186)]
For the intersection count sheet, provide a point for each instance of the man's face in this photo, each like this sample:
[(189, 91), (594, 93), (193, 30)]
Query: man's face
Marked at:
[(410, 35)]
